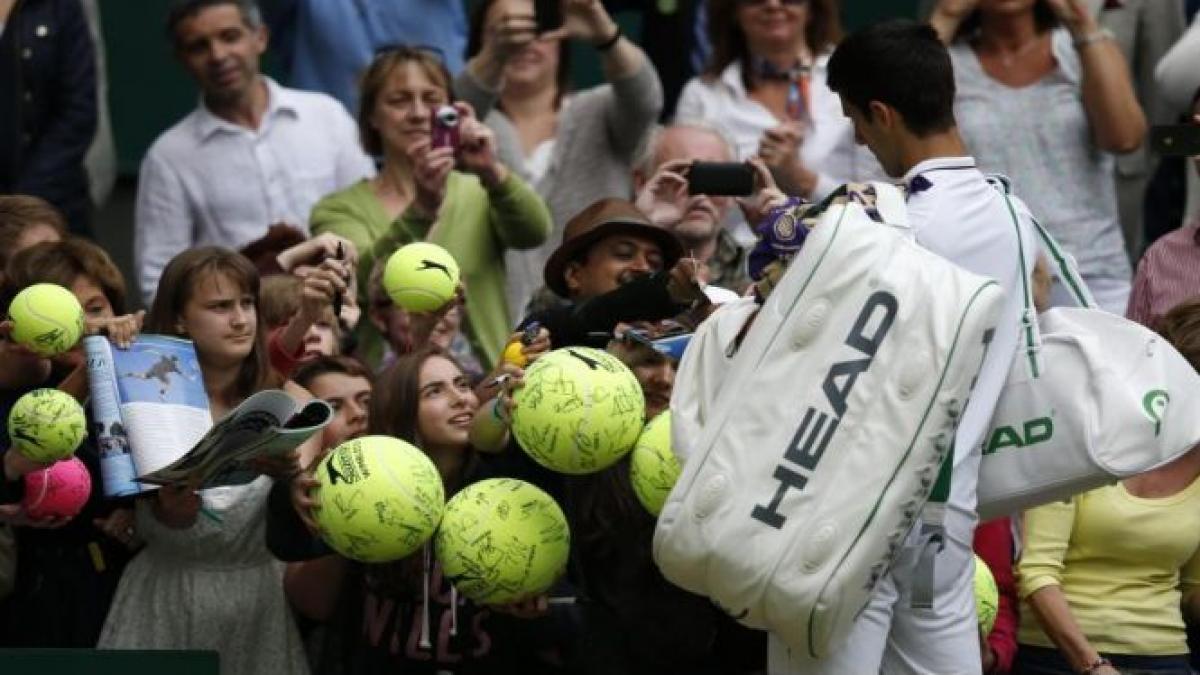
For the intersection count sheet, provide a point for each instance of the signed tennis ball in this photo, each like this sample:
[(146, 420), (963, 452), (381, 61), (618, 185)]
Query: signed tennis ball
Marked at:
[(421, 277), (653, 467), (987, 596), (47, 425), (579, 411), (501, 541), (381, 498), (61, 489), (47, 319)]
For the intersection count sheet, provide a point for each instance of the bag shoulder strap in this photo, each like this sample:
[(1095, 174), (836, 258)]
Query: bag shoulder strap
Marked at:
[(1031, 336)]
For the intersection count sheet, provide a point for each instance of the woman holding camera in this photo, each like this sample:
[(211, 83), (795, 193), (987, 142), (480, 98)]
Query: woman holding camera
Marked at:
[(459, 196), (575, 148)]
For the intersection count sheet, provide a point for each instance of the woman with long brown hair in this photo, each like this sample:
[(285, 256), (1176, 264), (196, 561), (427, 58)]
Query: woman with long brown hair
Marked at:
[(205, 579), (404, 616), (765, 84)]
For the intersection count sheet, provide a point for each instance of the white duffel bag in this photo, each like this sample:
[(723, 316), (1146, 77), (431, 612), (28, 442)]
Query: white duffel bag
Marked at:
[(1091, 398), (805, 472)]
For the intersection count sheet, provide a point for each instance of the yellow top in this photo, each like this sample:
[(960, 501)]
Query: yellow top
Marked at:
[(1122, 561)]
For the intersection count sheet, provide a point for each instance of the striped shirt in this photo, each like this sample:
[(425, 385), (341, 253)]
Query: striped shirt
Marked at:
[(1168, 274)]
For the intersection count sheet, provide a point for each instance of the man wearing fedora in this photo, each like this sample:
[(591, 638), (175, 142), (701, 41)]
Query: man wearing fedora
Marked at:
[(615, 266)]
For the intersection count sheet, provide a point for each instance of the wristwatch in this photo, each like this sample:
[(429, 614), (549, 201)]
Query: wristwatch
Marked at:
[(1092, 667), (1094, 36)]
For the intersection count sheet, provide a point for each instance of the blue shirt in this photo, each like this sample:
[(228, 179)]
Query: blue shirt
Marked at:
[(325, 46)]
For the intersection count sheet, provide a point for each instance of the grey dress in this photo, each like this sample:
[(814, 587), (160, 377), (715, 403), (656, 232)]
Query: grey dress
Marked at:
[(213, 586)]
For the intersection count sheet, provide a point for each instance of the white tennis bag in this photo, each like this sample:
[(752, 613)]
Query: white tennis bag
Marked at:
[(1091, 398), (805, 472)]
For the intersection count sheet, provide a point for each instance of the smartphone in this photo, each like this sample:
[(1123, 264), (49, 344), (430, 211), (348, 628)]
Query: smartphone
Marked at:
[(1175, 140), (547, 14), (444, 127), (720, 178)]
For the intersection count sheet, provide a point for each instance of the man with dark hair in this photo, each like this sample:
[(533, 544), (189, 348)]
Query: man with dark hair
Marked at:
[(252, 154), (897, 87)]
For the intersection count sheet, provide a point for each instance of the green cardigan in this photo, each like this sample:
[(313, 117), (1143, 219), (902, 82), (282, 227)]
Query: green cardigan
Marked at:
[(475, 225)]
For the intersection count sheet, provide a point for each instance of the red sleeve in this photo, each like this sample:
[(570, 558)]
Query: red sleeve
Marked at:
[(1141, 298), (994, 544), (281, 361)]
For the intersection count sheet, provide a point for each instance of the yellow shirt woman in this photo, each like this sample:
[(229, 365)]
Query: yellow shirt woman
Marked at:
[(1123, 562)]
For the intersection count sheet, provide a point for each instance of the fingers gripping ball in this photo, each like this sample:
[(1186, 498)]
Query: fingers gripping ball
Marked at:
[(653, 467), (502, 540), (47, 319), (579, 411), (421, 277), (47, 425), (987, 596), (381, 498), (61, 490)]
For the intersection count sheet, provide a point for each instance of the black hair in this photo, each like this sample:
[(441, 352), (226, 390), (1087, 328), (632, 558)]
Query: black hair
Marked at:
[(902, 64), (182, 10), (475, 29), (1044, 19)]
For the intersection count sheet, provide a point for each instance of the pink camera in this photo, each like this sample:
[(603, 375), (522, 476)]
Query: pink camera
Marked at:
[(444, 129)]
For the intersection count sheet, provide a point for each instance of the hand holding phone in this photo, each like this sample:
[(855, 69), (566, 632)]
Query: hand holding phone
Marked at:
[(1175, 140), (720, 178), (547, 15)]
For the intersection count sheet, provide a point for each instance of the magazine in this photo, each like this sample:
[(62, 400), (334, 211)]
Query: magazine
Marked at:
[(152, 424)]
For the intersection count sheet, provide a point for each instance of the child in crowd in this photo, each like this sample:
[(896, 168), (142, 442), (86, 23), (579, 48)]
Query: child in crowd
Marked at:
[(205, 579)]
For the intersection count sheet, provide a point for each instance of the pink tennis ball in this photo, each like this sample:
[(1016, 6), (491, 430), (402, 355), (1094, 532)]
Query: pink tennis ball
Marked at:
[(58, 490)]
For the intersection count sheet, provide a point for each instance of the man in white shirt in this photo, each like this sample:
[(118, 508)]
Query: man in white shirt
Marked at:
[(896, 85), (251, 155)]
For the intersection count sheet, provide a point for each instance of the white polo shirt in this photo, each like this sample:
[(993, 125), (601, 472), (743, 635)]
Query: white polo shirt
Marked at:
[(207, 181), (966, 221)]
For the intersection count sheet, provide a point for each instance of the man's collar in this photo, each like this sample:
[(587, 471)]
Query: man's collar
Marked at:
[(279, 101), (937, 164)]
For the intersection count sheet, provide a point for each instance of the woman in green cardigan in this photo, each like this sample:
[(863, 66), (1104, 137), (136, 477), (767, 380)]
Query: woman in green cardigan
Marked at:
[(463, 198)]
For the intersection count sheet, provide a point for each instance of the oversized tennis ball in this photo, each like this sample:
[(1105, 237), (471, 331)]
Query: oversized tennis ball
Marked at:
[(381, 498), (421, 277), (46, 425), (61, 489), (987, 596), (502, 540), (47, 319), (579, 411), (653, 467)]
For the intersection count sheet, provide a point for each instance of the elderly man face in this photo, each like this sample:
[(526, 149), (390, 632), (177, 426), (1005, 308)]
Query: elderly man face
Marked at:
[(702, 214)]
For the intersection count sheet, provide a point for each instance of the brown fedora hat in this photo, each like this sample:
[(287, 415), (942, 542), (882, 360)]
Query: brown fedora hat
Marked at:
[(605, 218)]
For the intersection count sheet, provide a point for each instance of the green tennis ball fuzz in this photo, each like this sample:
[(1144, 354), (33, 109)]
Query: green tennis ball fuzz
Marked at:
[(501, 541), (653, 467), (579, 411), (421, 277), (987, 596), (47, 425), (381, 499), (47, 319)]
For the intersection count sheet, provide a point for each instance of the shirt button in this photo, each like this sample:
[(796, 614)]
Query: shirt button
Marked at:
[(26, 138), (27, 53), (29, 97), (42, 31)]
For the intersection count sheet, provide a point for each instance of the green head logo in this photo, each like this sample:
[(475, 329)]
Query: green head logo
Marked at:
[(1154, 404)]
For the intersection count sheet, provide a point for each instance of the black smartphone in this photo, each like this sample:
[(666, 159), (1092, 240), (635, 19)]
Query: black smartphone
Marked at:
[(547, 14), (1175, 140), (720, 178)]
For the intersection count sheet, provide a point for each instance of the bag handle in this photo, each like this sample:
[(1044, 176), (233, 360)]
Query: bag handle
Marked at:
[(1065, 266)]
